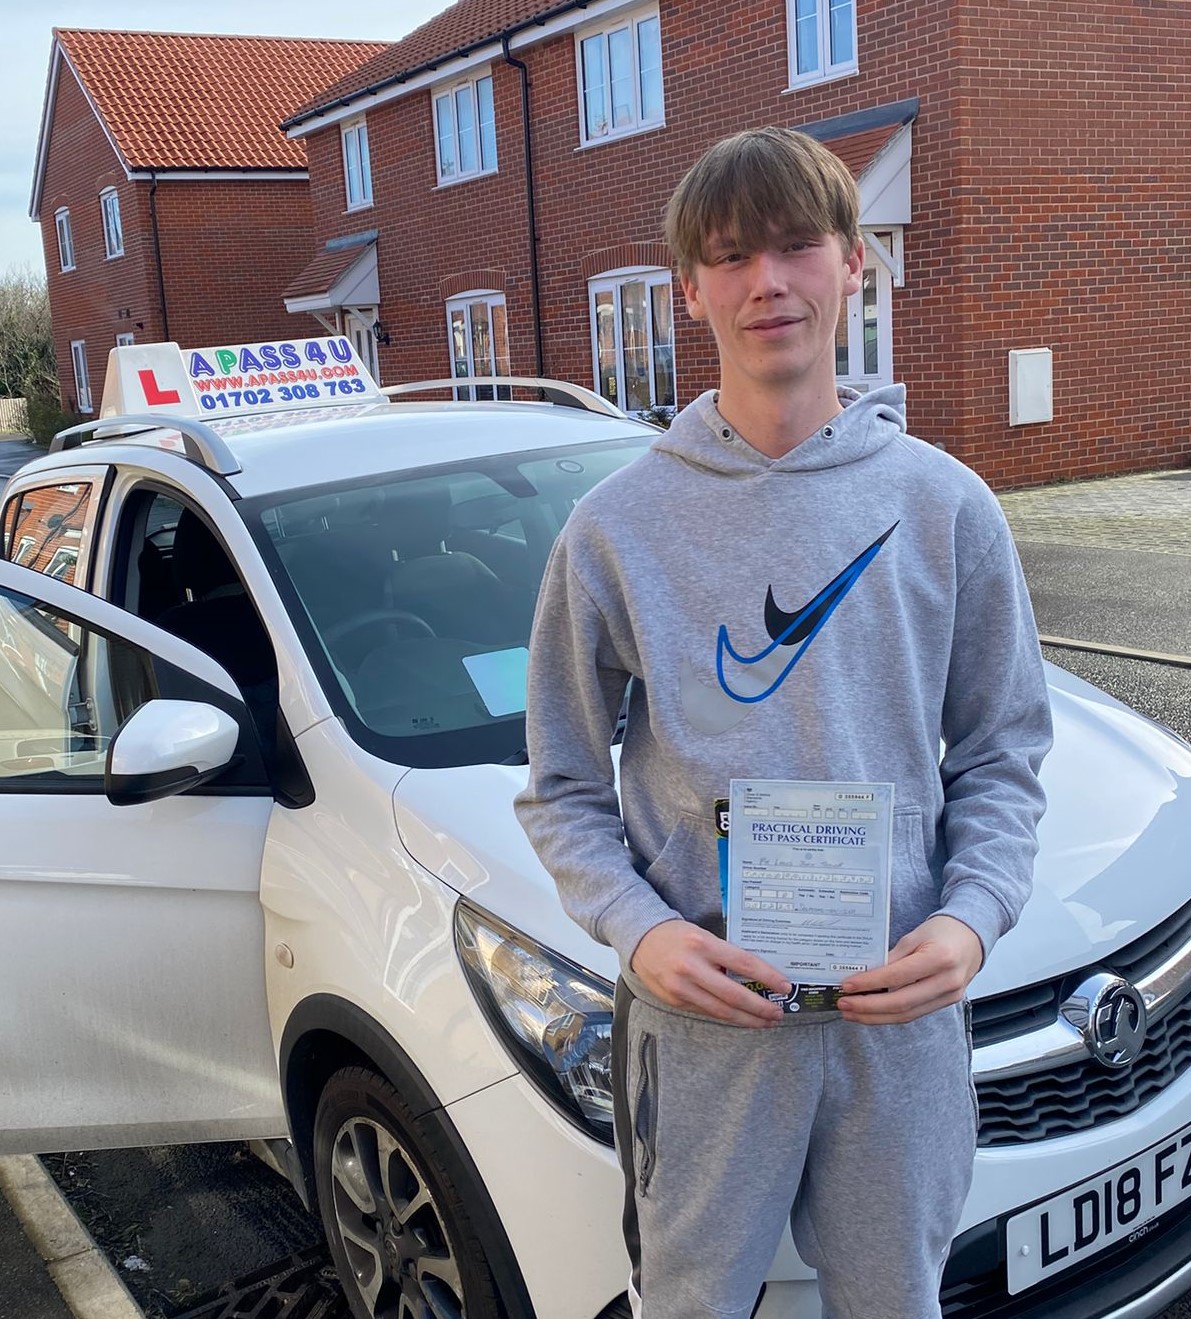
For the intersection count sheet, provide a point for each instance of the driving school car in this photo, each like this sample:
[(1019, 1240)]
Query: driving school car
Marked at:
[(262, 668)]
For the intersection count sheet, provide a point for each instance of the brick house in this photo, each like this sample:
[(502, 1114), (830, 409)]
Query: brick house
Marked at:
[(1023, 172), (170, 205)]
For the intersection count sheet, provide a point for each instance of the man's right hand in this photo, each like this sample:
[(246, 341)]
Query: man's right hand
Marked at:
[(685, 966)]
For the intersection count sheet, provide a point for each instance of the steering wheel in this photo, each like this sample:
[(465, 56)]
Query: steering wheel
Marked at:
[(414, 625)]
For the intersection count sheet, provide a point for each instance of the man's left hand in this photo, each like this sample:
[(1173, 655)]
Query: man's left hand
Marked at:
[(928, 969)]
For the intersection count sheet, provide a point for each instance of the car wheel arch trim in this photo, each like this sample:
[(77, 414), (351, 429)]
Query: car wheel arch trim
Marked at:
[(368, 1044)]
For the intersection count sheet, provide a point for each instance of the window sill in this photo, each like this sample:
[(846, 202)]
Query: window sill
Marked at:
[(609, 138), (465, 178), (359, 206), (821, 80), (66, 270), (114, 256)]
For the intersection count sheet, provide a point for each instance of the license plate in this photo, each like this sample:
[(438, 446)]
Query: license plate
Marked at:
[(1122, 1203)]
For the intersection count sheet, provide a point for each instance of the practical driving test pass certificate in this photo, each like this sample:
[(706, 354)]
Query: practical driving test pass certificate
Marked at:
[(809, 875)]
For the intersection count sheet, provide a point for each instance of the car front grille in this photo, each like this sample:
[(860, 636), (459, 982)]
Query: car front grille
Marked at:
[(1081, 1095), (1075, 1096)]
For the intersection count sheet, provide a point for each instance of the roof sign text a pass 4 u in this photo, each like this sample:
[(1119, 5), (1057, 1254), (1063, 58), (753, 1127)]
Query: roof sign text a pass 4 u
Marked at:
[(291, 373), (235, 378)]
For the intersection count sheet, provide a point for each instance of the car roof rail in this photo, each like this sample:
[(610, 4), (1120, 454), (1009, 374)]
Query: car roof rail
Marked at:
[(560, 392), (200, 443)]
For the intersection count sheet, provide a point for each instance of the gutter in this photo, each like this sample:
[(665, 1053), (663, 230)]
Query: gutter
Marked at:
[(428, 66), (165, 316), (534, 272)]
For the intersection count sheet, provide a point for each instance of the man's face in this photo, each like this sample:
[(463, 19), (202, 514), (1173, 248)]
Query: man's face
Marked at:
[(773, 312)]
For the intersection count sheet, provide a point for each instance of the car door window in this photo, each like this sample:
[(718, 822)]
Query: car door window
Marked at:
[(48, 529), (65, 690)]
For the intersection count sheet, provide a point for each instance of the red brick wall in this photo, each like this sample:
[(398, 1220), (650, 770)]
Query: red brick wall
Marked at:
[(100, 298), (433, 237), (1050, 209), (1074, 231), (228, 249)]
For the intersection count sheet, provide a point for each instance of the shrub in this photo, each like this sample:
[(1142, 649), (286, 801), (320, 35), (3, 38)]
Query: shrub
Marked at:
[(47, 417), (659, 415)]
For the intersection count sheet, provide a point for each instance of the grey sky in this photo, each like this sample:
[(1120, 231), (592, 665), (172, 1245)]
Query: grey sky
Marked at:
[(26, 44)]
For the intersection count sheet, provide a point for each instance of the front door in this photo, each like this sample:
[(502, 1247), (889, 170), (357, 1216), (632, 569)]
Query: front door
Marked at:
[(132, 997), (363, 341)]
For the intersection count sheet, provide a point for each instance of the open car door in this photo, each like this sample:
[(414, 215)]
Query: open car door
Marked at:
[(132, 993)]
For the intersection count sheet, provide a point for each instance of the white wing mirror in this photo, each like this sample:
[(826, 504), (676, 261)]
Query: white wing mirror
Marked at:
[(168, 747)]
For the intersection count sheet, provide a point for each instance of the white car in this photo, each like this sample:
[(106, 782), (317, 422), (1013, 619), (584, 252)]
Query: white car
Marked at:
[(261, 691)]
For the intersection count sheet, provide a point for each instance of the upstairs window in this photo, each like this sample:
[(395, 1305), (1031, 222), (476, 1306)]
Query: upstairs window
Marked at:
[(65, 240), (620, 78), (113, 234), (465, 130), (822, 39), (632, 333), (357, 168)]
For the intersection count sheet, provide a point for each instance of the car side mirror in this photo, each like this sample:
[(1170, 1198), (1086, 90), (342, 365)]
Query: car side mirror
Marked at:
[(168, 747)]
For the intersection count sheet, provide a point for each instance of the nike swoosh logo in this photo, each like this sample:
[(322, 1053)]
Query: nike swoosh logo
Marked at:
[(789, 629), (715, 709)]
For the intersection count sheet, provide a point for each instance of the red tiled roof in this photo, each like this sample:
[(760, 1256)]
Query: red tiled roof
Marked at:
[(321, 274), (466, 24), (184, 101), (859, 150)]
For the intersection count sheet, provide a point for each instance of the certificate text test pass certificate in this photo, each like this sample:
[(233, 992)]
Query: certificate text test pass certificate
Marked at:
[(809, 875)]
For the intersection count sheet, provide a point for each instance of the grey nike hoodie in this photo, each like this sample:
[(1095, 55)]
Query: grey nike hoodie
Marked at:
[(691, 571)]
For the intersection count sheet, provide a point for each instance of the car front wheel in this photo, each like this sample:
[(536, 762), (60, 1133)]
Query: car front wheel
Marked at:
[(398, 1227)]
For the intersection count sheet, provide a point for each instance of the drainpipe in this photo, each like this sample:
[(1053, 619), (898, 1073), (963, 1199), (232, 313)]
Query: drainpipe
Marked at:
[(165, 316), (534, 275)]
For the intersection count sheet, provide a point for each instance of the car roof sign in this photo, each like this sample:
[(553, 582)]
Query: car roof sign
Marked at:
[(235, 379)]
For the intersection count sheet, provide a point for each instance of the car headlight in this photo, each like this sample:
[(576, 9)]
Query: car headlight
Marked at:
[(555, 1018)]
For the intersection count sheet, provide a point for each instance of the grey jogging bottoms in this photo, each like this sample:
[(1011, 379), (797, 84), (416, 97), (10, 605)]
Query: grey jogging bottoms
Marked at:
[(863, 1135)]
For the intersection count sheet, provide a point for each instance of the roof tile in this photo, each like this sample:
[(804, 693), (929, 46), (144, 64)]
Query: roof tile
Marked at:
[(466, 24), (321, 274), (189, 101), (859, 150)]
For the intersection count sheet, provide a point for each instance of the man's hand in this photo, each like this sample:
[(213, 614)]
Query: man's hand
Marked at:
[(928, 969), (684, 965)]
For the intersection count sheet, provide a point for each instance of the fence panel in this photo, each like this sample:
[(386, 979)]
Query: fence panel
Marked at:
[(14, 416)]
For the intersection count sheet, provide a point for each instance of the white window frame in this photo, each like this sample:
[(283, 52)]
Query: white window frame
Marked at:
[(881, 278), (65, 239), (353, 136), (113, 230), (82, 381), (825, 69), (125, 339), (464, 302), (450, 93), (642, 122), (614, 281)]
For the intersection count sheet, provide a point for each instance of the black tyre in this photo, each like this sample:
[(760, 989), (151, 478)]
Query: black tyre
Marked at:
[(396, 1220)]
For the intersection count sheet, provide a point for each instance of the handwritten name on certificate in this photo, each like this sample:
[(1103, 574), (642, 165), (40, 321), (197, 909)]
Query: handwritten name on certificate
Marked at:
[(809, 875)]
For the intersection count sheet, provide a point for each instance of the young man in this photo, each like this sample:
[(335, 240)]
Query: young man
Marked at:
[(689, 572)]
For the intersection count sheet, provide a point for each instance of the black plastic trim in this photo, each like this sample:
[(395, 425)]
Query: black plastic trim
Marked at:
[(136, 789)]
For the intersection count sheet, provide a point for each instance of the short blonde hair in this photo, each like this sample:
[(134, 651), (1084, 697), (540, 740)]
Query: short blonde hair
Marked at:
[(754, 182)]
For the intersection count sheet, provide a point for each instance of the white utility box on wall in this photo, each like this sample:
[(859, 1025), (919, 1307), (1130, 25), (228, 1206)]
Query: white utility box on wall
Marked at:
[(1031, 386)]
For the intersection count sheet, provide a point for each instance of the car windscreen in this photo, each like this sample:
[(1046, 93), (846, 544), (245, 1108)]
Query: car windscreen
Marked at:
[(414, 592)]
